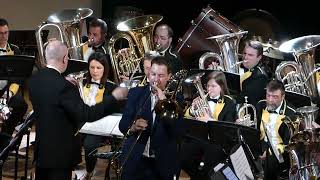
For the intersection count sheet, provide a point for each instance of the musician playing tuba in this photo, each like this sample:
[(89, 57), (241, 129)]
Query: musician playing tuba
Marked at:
[(221, 106), (274, 134), (254, 80)]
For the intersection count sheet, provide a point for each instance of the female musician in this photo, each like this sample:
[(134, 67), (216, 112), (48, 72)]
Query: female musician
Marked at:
[(96, 86), (222, 106), (199, 158)]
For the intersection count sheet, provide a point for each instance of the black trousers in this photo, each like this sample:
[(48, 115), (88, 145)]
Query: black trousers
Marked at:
[(53, 173)]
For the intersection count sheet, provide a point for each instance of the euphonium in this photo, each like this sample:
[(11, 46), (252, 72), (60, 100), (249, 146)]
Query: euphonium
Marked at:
[(229, 45), (138, 33), (244, 115), (202, 106), (68, 22), (303, 50)]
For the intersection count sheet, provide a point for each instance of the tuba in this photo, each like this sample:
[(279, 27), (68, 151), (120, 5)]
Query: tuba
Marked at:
[(302, 78), (138, 33), (229, 46), (202, 106), (303, 145), (68, 22), (244, 115)]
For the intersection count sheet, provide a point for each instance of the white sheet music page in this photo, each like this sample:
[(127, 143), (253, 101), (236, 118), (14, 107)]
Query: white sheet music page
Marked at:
[(106, 126), (241, 165)]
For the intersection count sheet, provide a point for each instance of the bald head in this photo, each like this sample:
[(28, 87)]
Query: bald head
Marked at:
[(56, 54)]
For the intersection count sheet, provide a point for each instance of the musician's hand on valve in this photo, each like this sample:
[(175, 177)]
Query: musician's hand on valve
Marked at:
[(124, 53), (139, 125), (204, 117), (263, 156), (158, 92)]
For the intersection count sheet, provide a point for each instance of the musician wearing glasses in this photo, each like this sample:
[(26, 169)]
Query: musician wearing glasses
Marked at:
[(11, 94), (162, 38), (273, 131), (221, 108), (95, 87), (58, 110), (254, 80), (154, 156)]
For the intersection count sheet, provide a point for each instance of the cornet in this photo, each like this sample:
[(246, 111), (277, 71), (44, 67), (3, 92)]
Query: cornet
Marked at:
[(244, 115)]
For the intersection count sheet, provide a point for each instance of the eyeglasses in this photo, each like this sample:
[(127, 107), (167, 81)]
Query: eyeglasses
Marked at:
[(4, 33)]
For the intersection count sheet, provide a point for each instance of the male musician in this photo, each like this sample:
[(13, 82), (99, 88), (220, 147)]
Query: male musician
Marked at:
[(59, 110), (254, 80), (154, 155), (163, 41), (270, 113), (11, 95)]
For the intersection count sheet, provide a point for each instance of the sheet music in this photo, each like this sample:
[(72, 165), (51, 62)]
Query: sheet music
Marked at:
[(106, 126), (274, 147), (241, 165)]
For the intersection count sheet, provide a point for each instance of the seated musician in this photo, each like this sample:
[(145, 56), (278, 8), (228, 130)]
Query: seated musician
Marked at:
[(222, 108), (95, 87), (11, 94), (254, 80), (270, 113)]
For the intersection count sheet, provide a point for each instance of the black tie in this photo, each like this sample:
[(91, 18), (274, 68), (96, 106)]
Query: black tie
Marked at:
[(272, 111), (3, 50), (211, 99)]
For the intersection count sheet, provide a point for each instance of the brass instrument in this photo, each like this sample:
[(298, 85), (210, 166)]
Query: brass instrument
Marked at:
[(208, 58), (138, 32), (244, 115), (229, 45), (303, 145), (79, 76), (302, 78), (68, 22), (5, 111), (202, 106)]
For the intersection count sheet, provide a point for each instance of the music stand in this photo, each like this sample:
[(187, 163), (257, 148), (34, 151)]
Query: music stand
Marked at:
[(233, 80), (75, 65), (196, 130), (16, 68)]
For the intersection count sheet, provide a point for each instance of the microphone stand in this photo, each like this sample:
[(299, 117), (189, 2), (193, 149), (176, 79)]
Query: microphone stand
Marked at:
[(127, 134)]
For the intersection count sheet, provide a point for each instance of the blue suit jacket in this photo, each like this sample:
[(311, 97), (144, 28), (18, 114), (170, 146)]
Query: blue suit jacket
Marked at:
[(164, 137)]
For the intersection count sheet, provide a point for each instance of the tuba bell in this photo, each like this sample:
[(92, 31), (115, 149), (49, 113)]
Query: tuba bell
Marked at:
[(138, 33), (303, 77), (69, 23), (229, 46)]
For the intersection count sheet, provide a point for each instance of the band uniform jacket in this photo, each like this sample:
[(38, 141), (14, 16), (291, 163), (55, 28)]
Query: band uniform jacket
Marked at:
[(58, 110), (12, 49), (225, 110), (254, 86), (163, 137)]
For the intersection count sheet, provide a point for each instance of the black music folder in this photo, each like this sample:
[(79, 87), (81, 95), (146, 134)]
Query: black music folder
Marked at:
[(229, 135), (16, 68), (297, 99), (75, 66)]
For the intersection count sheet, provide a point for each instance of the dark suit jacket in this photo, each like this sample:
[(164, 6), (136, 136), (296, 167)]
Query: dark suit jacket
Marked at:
[(58, 111), (254, 86), (163, 137)]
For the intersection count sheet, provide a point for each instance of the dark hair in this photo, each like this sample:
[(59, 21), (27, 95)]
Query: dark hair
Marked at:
[(3, 22), (256, 45), (275, 85), (161, 60), (150, 55), (220, 79), (170, 31), (99, 23), (101, 58)]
